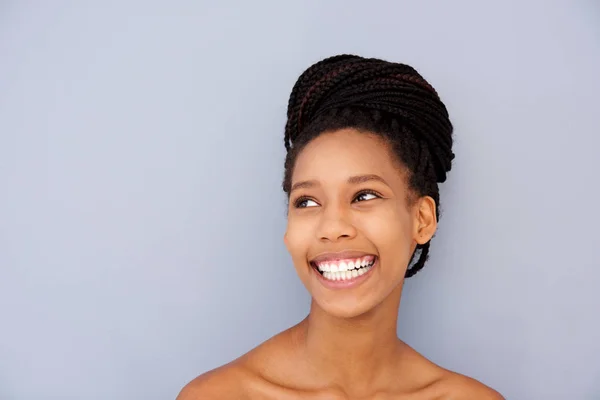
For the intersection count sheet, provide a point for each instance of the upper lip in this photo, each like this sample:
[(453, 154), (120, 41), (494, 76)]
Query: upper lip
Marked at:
[(341, 255)]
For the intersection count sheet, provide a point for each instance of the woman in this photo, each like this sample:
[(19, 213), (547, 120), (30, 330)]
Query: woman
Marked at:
[(367, 143)]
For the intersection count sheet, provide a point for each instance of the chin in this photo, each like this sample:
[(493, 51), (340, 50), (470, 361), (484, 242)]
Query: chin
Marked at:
[(341, 308)]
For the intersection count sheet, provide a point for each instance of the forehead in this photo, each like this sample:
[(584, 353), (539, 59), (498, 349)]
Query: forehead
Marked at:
[(347, 152)]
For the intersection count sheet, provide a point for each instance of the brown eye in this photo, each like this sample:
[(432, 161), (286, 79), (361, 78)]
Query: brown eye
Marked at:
[(366, 195), (304, 202)]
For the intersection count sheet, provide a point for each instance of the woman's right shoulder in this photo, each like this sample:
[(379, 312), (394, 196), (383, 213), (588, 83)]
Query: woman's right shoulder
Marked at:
[(242, 377), (225, 382)]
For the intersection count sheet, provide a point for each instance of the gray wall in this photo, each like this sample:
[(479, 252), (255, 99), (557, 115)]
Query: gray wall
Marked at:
[(141, 215)]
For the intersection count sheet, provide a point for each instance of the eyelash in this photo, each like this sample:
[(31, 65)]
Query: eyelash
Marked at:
[(368, 191), (300, 199)]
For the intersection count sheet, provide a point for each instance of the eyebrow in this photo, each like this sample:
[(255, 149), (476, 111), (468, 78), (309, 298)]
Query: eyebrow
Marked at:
[(353, 180)]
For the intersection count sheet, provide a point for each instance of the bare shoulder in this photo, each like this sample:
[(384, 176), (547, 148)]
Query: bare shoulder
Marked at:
[(226, 382), (240, 379), (436, 382), (457, 386)]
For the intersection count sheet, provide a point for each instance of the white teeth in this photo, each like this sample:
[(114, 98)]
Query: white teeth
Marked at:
[(339, 269), (343, 275)]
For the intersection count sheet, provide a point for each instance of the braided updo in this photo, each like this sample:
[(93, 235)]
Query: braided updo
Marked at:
[(371, 95)]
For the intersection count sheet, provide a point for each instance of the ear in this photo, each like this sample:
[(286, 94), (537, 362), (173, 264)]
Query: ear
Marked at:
[(285, 239), (425, 220)]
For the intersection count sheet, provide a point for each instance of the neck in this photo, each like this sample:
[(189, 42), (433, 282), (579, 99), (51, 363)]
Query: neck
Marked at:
[(347, 351)]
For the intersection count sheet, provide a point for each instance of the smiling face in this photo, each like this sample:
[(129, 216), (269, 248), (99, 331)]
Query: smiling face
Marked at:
[(351, 226)]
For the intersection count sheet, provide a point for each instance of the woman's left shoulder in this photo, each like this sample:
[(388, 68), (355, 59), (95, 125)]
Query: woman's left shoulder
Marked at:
[(441, 383), (459, 387)]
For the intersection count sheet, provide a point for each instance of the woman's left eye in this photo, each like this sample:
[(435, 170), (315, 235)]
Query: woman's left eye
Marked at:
[(366, 195)]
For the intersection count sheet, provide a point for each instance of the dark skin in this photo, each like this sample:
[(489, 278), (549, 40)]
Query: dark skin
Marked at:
[(349, 193)]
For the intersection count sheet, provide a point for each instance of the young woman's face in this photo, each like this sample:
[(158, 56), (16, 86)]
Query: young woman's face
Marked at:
[(351, 228)]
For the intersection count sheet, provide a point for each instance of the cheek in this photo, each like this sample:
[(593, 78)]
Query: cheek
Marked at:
[(298, 238), (390, 230)]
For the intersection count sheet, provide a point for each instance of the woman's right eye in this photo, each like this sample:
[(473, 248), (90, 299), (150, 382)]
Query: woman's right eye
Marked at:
[(304, 202)]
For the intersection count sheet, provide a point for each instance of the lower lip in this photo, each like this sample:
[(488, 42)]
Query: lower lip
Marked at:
[(345, 284)]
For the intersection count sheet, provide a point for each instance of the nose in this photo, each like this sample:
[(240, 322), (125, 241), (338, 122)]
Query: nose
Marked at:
[(335, 225)]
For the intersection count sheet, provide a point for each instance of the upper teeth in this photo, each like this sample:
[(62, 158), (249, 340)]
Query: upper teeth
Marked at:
[(345, 265)]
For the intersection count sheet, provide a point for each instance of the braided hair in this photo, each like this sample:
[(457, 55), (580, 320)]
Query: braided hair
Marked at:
[(385, 98)]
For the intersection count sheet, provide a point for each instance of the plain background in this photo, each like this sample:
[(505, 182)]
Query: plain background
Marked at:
[(141, 215)]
